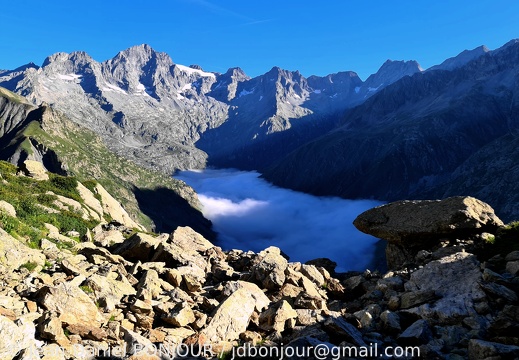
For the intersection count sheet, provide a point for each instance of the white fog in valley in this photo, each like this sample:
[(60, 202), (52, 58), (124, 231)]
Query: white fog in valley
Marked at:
[(251, 214)]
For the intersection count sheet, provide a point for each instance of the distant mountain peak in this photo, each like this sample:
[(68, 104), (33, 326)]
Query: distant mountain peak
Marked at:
[(391, 71), (461, 59)]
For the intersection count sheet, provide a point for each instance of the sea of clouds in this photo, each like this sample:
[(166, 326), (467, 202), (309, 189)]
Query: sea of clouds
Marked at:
[(251, 214)]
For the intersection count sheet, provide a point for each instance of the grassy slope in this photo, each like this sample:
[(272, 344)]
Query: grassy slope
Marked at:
[(153, 199)]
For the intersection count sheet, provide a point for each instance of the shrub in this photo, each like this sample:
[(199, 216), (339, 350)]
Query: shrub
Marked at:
[(87, 289), (8, 223), (29, 265)]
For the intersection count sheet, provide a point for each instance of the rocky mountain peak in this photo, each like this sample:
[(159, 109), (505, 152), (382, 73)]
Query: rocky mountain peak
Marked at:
[(224, 89), (392, 71), (238, 72), (461, 59)]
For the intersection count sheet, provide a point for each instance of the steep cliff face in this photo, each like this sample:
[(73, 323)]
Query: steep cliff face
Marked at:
[(417, 135)]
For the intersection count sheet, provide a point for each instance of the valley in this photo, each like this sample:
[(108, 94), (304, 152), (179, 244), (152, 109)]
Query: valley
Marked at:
[(404, 132), (248, 213)]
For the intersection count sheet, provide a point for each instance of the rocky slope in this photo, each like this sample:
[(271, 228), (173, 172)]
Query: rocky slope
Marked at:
[(45, 135), (422, 136), (126, 294), (160, 114)]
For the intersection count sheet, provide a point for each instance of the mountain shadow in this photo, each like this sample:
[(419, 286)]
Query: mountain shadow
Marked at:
[(168, 210)]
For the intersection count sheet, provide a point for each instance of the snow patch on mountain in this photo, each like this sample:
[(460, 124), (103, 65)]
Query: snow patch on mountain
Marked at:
[(191, 71)]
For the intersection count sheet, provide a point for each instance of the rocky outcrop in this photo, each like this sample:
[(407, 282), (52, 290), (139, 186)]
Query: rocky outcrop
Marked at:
[(411, 226), (153, 292), (414, 223), (114, 210), (13, 253), (35, 170)]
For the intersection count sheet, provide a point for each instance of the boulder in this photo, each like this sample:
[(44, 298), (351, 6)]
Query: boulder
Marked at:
[(269, 268), (139, 247), (13, 253), (7, 208), (149, 286), (179, 315), (234, 313), (189, 240), (457, 293), (482, 350), (417, 223), (278, 317), (338, 326), (34, 169), (15, 338), (90, 200), (417, 334), (110, 288), (73, 305)]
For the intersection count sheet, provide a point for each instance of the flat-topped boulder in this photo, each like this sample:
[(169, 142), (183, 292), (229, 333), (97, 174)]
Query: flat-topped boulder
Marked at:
[(415, 223)]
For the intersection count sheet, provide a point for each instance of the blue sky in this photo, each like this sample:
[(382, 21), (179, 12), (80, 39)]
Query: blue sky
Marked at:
[(316, 38)]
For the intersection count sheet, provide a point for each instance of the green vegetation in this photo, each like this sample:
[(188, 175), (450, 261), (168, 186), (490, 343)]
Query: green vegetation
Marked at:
[(87, 289), (35, 205), (12, 96), (29, 266), (87, 158), (505, 241)]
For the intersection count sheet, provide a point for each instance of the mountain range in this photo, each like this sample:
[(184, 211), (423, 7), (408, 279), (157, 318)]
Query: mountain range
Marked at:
[(404, 132)]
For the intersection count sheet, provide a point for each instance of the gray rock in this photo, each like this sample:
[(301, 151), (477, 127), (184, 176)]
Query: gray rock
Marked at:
[(415, 298), (269, 268), (458, 293), (13, 253), (417, 334), (279, 317), (415, 223), (73, 305), (7, 208), (14, 338), (311, 272), (139, 246), (338, 326), (180, 315), (486, 350), (390, 321), (499, 291), (234, 313), (512, 256), (513, 267)]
